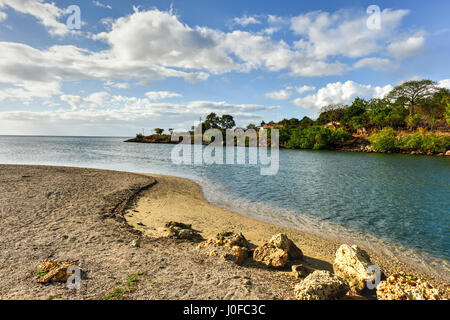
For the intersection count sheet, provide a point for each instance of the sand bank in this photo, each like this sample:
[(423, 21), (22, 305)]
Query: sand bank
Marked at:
[(76, 215)]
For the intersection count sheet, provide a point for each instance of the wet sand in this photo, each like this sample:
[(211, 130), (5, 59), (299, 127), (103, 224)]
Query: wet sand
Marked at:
[(77, 215)]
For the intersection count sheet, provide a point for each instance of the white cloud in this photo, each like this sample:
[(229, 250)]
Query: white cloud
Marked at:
[(46, 13), (154, 45), (95, 100), (246, 20), (341, 92), (117, 85), (158, 95), (375, 63), (344, 32), (3, 16), (406, 48), (305, 88), (279, 95), (99, 4), (121, 115)]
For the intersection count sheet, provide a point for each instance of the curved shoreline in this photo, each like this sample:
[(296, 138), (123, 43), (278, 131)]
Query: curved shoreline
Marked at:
[(181, 199)]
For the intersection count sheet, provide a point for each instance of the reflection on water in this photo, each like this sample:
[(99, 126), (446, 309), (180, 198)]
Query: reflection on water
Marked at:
[(400, 200)]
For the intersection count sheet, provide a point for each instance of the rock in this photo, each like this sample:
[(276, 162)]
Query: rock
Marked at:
[(321, 285), (233, 247), (232, 239), (178, 225), (180, 230), (54, 271), (447, 153), (240, 254), (351, 264), (300, 271), (405, 287), (136, 243), (271, 256), (277, 252), (139, 223), (281, 241)]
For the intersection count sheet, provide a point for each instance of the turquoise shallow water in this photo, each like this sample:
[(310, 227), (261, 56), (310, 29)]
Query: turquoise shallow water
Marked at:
[(398, 203)]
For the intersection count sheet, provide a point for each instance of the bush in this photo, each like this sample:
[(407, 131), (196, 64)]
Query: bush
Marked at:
[(384, 140), (427, 142), (316, 138), (139, 137)]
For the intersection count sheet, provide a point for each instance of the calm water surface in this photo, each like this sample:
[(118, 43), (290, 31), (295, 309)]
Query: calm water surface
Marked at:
[(395, 203)]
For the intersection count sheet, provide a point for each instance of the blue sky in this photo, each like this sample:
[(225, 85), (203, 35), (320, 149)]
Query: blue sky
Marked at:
[(148, 64)]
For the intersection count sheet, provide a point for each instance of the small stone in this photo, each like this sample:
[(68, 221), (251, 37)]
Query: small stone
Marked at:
[(447, 153), (300, 271), (139, 223), (136, 243)]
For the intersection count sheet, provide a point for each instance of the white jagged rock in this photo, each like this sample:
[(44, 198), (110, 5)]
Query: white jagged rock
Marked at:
[(351, 264)]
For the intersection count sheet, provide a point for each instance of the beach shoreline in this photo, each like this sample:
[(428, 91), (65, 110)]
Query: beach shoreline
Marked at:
[(77, 214), (181, 199)]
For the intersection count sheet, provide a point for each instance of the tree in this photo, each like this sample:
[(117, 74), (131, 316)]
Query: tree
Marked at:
[(331, 113), (171, 131), (305, 122), (252, 126), (212, 122), (159, 131), (413, 92), (227, 122)]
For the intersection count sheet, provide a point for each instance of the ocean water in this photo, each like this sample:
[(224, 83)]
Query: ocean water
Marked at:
[(395, 203)]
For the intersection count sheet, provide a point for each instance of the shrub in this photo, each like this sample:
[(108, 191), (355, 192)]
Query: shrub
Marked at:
[(139, 137), (316, 138), (427, 142), (384, 140)]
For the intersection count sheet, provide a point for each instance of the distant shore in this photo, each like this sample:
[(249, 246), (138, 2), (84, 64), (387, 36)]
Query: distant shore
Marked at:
[(74, 214), (355, 145)]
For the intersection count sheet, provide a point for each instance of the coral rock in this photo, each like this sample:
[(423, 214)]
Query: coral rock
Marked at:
[(54, 271), (281, 241), (180, 230), (351, 264), (232, 239), (321, 285), (404, 287), (271, 256)]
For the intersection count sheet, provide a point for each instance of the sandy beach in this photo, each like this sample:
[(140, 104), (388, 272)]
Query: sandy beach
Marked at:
[(93, 217)]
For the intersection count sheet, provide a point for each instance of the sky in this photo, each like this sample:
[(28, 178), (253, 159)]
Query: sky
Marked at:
[(130, 66)]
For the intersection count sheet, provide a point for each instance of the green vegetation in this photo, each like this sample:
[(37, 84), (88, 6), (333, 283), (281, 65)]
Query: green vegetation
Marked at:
[(409, 118), (122, 290), (387, 140), (316, 137)]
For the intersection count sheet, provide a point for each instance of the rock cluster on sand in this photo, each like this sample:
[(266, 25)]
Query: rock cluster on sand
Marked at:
[(351, 264), (229, 245), (54, 271), (277, 252), (321, 285), (180, 230), (404, 287)]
